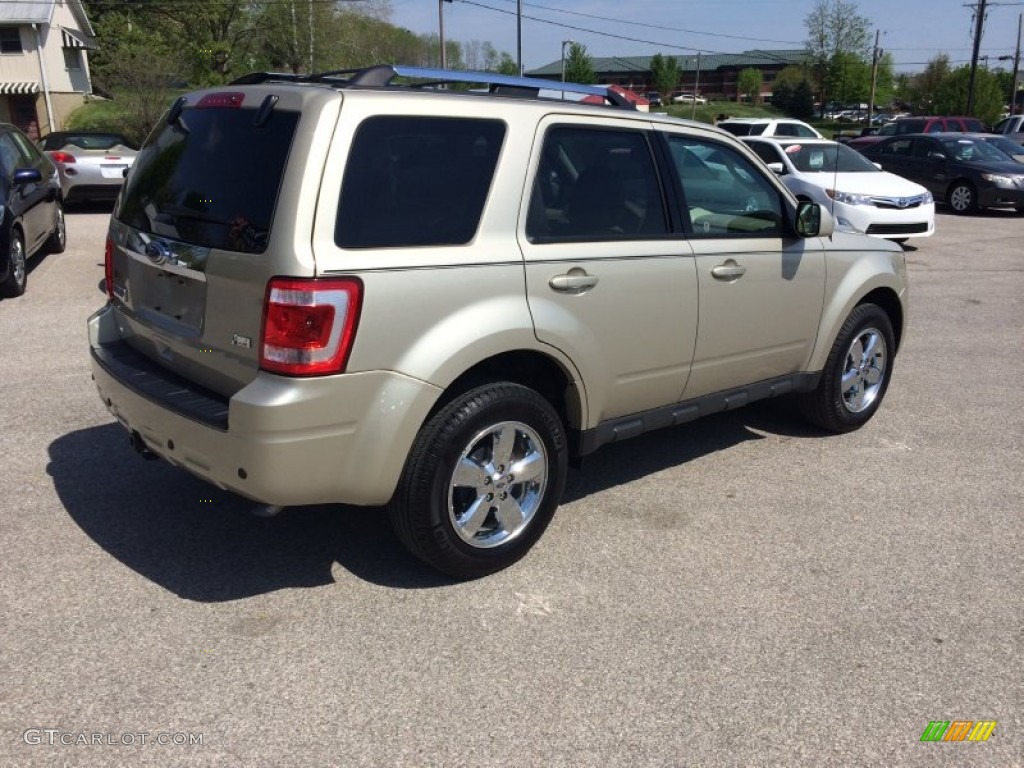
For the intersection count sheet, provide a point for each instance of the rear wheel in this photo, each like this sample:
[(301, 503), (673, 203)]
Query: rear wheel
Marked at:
[(17, 274), (482, 481), (856, 374), (963, 198), (58, 239)]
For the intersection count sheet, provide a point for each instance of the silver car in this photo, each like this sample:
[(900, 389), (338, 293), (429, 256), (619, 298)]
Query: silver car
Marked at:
[(92, 166)]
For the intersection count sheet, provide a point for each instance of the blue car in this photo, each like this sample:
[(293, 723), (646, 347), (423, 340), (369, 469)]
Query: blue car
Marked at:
[(31, 208)]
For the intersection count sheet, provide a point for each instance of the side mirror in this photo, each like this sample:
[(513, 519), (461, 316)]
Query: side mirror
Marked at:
[(812, 220), (27, 176), (877, 165), (936, 156), (777, 168)]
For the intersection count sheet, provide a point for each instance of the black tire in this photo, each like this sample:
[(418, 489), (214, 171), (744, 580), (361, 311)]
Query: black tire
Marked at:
[(495, 422), (58, 239), (963, 198), (840, 406), (17, 270)]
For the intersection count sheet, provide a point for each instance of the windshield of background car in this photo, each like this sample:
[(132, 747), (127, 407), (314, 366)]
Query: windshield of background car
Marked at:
[(744, 129), (211, 178), (94, 141), (968, 151), (828, 158), (909, 126)]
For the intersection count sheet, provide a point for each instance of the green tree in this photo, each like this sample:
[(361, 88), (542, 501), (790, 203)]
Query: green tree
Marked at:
[(837, 35), (748, 84), (664, 74), (922, 91), (802, 105), (579, 67), (951, 96)]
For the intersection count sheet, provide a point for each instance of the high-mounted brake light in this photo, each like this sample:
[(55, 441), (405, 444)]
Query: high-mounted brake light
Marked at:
[(309, 325), (229, 99), (62, 157), (108, 268)]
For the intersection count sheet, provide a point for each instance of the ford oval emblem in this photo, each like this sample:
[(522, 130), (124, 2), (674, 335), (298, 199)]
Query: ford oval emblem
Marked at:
[(158, 252)]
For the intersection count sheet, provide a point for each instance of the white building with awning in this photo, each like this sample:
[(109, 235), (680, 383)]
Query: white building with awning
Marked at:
[(44, 62)]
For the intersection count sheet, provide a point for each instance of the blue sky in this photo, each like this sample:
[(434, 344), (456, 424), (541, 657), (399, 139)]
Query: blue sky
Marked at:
[(913, 31)]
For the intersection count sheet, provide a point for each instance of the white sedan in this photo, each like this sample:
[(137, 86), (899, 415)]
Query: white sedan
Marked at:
[(861, 197)]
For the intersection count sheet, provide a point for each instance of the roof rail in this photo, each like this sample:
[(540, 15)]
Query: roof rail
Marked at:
[(383, 75)]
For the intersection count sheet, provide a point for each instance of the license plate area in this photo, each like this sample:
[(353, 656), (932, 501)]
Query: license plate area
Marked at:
[(113, 171), (168, 298)]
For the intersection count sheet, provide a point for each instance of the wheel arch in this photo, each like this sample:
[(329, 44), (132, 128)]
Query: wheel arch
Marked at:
[(531, 368)]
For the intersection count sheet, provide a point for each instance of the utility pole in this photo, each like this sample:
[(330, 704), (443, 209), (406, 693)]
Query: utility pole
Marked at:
[(696, 89), (978, 28), (519, 36), (875, 56), (440, 29), (1016, 67)]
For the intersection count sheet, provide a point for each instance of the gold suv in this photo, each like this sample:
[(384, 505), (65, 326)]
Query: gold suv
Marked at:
[(384, 287)]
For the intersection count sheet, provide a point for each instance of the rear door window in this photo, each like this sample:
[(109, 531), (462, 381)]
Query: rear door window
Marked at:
[(417, 181), (595, 184), (211, 179)]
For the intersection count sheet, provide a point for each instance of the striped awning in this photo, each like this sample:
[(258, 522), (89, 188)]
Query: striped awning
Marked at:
[(11, 88), (74, 39)]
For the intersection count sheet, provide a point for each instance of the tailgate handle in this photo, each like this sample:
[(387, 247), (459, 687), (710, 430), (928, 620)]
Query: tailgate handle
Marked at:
[(575, 281)]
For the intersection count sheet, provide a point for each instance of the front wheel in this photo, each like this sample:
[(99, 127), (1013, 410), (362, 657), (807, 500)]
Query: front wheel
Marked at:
[(17, 271), (963, 198), (482, 481), (856, 374)]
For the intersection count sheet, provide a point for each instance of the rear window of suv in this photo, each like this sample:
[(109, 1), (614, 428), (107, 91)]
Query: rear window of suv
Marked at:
[(743, 129), (417, 181), (211, 178)]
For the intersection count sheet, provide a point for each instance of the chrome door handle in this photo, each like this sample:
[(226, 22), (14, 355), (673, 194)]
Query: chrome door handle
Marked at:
[(575, 281), (729, 271)]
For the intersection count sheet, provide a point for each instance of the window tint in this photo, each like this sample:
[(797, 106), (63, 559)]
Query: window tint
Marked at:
[(415, 181), (724, 194), (10, 157), (896, 147), (767, 152), (909, 126), (595, 184), (211, 179), (739, 129), (10, 40), (974, 126)]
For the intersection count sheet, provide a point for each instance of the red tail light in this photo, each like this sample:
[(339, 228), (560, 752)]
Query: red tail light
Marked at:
[(108, 268), (62, 157), (309, 325)]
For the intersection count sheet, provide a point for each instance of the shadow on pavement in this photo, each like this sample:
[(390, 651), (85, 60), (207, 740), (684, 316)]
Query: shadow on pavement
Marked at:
[(204, 544)]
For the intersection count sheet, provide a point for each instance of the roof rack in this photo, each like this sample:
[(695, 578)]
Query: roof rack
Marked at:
[(383, 75)]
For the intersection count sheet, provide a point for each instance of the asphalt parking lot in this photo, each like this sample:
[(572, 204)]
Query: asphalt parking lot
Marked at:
[(739, 591)]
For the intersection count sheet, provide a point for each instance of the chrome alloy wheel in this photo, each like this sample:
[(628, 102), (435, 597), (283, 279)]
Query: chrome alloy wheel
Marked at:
[(498, 484), (864, 372)]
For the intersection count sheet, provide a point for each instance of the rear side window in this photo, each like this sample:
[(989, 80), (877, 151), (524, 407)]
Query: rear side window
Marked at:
[(211, 179), (742, 129), (417, 181), (595, 184)]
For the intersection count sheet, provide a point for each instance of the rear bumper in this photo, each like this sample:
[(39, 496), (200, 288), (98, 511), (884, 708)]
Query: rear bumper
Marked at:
[(279, 440)]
